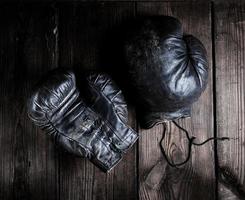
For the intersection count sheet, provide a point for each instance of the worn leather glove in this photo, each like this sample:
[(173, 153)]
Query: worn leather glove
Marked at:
[(107, 99), (167, 70), (58, 108)]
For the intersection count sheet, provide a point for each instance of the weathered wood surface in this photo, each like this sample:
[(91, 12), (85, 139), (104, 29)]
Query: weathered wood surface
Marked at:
[(229, 35), (82, 28), (35, 38), (199, 172), (8, 116), (29, 164)]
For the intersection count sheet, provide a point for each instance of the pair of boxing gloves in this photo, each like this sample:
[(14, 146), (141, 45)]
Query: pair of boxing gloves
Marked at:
[(167, 72), (91, 123)]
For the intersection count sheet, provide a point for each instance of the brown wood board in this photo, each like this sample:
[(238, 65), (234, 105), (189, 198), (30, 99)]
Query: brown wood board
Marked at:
[(29, 164), (229, 35), (35, 38)]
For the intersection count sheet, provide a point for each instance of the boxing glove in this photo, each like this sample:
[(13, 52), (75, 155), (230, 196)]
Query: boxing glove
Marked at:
[(107, 99), (167, 70), (57, 106)]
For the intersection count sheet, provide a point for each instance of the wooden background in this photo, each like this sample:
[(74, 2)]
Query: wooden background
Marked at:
[(37, 37)]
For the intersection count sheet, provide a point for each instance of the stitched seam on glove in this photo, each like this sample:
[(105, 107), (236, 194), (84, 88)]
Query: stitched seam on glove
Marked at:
[(93, 86), (109, 124), (65, 100), (108, 81), (81, 145)]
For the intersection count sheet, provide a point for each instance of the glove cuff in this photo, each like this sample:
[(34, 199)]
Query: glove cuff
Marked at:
[(126, 142), (117, 145), (150, 119), (107, 165), (101, 152)]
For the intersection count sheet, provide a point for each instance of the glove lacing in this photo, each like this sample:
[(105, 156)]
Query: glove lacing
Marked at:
[(190, 143)]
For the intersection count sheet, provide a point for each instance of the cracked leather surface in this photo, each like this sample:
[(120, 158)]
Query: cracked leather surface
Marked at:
[(167, 70), (98, 132)]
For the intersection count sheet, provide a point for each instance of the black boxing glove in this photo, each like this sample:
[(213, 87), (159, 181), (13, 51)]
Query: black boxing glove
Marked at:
[(57, 107), (107, 100), (167, 70)]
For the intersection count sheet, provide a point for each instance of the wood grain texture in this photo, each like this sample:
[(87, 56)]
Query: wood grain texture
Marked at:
[(82, 29), (230, 95), (7, 113), (198, 176), (100, 1), (35, 38), (28, 161)]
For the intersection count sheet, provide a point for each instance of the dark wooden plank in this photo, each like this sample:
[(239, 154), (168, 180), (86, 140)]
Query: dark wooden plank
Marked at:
[(195, 180), (7, 112), (83, 27), (230, 93), (36, 158), (28, 49), (102, 1)]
